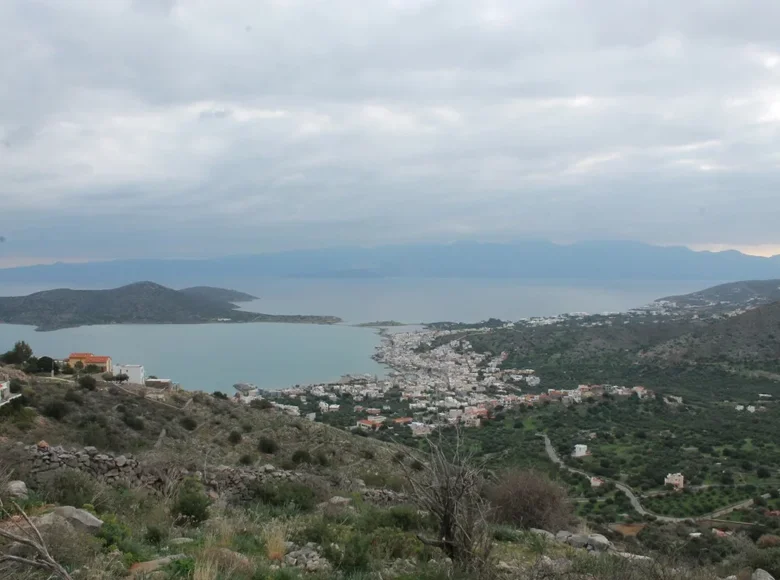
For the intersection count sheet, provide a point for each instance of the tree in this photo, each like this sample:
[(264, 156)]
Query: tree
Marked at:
[(46, 364), (87, 382), (78, 365), (449, 488), (529, 499), (20, 354), (122, 378)]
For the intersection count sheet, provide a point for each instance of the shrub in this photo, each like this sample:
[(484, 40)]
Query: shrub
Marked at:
[(283, 494), (88, 383), (528, 499), (267, 445), (188, 423), (322, 459), (301, 456), (108, 377), (246, 459), (262, 404), (55, 409), (133, 422), (71, 487), (247, 427), (234, 438), (768, 541), (74, 397), (417, 465), (155, 535), (355, 557), (16, 386), (192, 503), (219, 395)]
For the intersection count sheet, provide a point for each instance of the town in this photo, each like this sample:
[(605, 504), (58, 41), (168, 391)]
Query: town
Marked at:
[(428, 388)]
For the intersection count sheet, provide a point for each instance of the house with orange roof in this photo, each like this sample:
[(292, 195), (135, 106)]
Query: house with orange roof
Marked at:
[(103, 363)]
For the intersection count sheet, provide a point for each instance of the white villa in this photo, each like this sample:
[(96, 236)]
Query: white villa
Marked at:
[(675, 479), (580, 450)]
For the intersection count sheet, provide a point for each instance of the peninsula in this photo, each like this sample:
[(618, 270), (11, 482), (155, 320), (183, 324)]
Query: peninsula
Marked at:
[(138, 303)]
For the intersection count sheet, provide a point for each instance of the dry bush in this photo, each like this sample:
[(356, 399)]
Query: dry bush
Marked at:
[(768, 541), (275, 535), (529, 499)]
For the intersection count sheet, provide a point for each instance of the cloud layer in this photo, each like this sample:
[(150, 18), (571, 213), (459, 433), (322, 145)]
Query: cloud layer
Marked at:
[(164, 127)]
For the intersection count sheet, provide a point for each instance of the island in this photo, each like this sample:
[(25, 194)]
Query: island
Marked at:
[(138, 303)]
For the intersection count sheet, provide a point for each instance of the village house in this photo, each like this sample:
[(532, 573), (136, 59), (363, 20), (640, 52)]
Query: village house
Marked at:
[(676, 480), (596, 482), (136, 375), (103, 363), (580, 450), (421, 429), (371, 424)]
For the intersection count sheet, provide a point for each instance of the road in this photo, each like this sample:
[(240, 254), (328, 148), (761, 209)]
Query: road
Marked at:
[(632, 497)]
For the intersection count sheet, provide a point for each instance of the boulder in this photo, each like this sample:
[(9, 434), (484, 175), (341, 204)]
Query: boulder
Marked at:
[(17, 489), (760, 574), (563, 536), (142, 568), (180, 541), (638, 558), (547, 535), (52, 522), (599, 543), (578, 540), (80, 519), (339, 501)]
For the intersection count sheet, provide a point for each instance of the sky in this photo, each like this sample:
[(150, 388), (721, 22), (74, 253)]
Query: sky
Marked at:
[(156, 128)]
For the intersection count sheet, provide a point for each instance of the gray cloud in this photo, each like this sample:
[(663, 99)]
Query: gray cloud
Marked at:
[(157, 127)]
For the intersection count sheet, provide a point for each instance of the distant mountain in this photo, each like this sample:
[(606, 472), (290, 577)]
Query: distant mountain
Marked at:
[(138, 303), (525, 260), (218, 294), (728, 297)]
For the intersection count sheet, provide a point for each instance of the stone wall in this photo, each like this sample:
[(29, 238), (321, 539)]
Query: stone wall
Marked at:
[(232, 483)]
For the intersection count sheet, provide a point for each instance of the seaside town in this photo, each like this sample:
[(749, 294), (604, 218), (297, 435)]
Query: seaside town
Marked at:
[(427, 388)]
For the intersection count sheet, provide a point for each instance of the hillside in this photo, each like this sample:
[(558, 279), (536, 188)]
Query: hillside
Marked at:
[(138, 303), (749, 337), (218, 294), (727, 297)]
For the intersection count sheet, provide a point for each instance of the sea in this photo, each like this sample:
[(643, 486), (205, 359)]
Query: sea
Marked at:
[(213, 357)]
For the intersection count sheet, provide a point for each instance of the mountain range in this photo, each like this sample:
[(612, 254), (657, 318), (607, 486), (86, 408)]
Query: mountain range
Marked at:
[(523, 259), (138, 303)]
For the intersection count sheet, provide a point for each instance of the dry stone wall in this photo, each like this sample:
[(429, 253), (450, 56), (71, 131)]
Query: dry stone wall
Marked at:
[(232, 483)]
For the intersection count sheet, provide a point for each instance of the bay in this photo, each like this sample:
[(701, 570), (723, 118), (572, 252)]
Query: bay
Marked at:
[(213, 357)]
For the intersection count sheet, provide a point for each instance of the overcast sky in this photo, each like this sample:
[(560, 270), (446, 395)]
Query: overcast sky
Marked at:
[(133, 128)]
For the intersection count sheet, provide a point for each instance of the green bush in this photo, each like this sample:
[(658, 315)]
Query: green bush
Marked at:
[(301, 456), (73, 397), (246, 459), (88, 383), (133, 422), (192, 503), (188, 423), (234, 438), (155, 535), (16, 386), (262, 404), (283, 494), (55, 410), (267, 445), (71, 487), (355, 556)]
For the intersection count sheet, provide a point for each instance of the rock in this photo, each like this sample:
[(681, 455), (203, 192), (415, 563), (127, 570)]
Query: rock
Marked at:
[(599, 543), (52, 521), (231, 559), (80, 519), (89, 450), (544, 533), (121, 461), (578, 540), (340, 501), (563, 536), (180, 541), (153, 565), (760, 574), (638, 558), (558, 566), (17, 489), (42, 445)]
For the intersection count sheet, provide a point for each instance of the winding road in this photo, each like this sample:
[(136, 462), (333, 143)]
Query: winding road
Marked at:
[(632, 497)]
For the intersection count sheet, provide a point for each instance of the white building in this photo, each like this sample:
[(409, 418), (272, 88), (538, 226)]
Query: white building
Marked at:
[(580, 450), (5, 393), (675, 479), (136, 374)]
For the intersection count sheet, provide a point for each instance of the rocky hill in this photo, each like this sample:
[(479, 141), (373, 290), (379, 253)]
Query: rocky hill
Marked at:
[(727, 297), (138, 303)]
